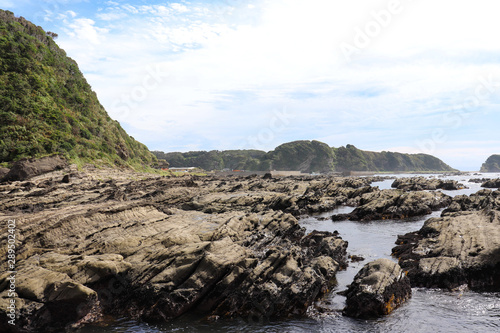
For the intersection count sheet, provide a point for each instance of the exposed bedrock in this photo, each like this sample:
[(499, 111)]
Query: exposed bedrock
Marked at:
[(379, 287), (395, 204), (122, 245), (491, 183), (424, 183), (461, 248)]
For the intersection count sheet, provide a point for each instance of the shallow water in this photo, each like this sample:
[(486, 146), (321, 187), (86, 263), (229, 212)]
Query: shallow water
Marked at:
[(427, 311)]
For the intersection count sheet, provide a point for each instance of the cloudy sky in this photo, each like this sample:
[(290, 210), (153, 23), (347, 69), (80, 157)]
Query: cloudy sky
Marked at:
[(396, 75)]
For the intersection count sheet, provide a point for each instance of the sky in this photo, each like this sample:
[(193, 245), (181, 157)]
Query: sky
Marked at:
[(411, 76)]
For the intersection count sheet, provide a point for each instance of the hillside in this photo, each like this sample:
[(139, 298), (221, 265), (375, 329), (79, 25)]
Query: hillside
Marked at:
[(307, 156), (47, 107), (492, 164)]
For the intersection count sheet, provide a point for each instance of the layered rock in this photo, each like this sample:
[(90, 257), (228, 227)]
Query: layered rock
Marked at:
[(491, 183), (461, 248), (379, 287), (483, 199), (104, 242), (395, 204), (424, 183)]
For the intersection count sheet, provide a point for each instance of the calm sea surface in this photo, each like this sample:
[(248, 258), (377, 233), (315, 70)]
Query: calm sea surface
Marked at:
[(428, 310)]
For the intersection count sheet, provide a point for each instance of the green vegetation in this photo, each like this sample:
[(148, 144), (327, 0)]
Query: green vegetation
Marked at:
[(492, 164), (47, 107), (307, 156)]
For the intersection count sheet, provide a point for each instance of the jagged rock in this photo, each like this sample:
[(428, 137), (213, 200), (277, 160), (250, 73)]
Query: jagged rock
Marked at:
[(27, 168), (478, 180), (379, 287), (483, 199), (395, 204), (492, 183), (457, 249), (135, 247), (423, 183)]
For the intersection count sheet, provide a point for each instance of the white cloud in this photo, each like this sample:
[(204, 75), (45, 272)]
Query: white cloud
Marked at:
[(180, 8), (229, 66), (84, 30)]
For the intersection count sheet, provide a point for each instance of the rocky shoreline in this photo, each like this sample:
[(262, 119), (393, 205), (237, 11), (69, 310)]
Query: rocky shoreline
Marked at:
[(99, 242)]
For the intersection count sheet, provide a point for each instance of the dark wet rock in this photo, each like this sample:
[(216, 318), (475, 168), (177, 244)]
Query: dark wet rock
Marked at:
[(457, 249), (423, 183), (483, 199), (28, 168), (492, 183), (478, 180), (379, 287), (66, 179), (395, 204), (356, 258)]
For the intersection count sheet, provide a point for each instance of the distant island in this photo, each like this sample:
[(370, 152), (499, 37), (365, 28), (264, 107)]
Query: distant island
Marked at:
[(492, 164), (306, 156)]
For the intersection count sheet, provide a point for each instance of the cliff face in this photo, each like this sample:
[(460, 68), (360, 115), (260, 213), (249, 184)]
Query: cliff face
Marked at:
[(306, 156), (47, 107), (492, 164)]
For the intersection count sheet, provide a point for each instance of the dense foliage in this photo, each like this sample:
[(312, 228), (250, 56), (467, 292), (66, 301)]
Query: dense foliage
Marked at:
[(306, 156), (492, 164), (47, 106)]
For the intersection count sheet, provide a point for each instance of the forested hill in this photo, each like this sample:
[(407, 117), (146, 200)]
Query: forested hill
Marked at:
[(47, 107), (306, 156)]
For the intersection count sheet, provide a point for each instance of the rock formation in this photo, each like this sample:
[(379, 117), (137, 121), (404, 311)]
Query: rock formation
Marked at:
[(379, 288), (423, 183), (491, 183), (460, 248), (395, 204), (28, 168), (154, 248)]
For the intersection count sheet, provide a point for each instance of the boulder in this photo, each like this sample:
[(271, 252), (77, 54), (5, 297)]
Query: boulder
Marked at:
[(27, 168), (3, 172), (379, 287), (461, 248)]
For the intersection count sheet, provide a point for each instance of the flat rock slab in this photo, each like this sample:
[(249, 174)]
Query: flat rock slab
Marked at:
[(379, 287)]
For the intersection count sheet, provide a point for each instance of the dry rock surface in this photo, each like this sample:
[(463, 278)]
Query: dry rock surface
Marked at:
[(102, 242)]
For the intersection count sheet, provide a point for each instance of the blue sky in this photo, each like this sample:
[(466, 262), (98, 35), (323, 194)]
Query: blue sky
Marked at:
[(395, 75)]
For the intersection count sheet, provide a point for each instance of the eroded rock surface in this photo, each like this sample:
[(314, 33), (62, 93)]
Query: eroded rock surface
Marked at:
[(460, 248), (424, 183), (154, 248), (491, 183), (379, 287), (395, 204)]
